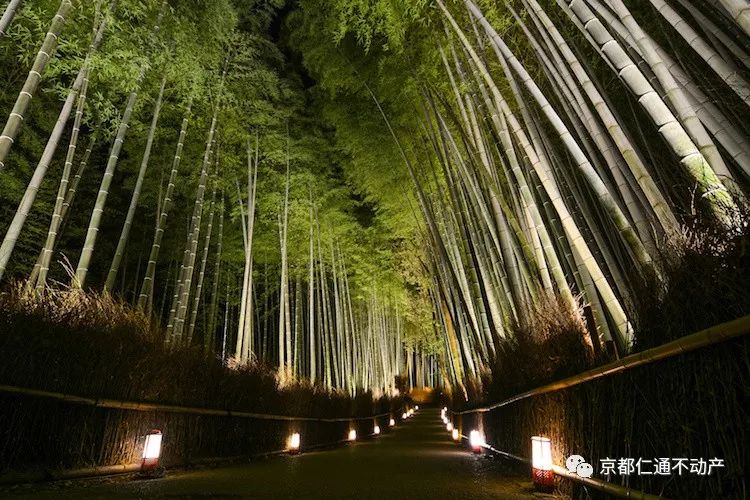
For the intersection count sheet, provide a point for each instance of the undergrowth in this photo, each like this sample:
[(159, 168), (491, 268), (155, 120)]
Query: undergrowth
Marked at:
[(95, 345)]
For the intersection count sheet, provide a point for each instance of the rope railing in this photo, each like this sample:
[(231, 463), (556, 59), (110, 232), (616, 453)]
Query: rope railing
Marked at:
[(157, 407), (704, 338), (598, 484), (692, 342)]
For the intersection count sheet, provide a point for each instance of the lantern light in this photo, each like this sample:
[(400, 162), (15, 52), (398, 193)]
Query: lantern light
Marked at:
[(294, 442), (455, 434), (352, 435), (376, 430), (151, 451), (391, 423), (404, 416), (416, 407), (476, 440), (449, 427), (541, 464)]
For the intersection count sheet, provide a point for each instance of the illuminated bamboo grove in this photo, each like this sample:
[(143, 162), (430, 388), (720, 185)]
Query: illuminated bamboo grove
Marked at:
[(405, 216), (304, 313), (547, 186)]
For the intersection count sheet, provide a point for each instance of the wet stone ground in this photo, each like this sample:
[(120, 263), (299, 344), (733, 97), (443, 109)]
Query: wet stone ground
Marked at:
[(416, 460)]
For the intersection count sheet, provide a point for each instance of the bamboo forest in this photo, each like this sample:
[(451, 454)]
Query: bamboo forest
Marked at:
[(506, 234)]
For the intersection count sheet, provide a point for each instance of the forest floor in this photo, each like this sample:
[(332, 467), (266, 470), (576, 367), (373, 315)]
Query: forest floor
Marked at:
[(416, 460)]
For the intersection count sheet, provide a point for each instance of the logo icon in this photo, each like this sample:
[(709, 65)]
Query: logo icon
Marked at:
[(578, 465)]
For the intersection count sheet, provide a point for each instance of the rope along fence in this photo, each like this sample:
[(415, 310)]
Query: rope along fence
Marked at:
[(704, 338)]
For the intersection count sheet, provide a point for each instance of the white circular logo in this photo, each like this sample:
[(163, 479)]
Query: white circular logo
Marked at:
[(585, 470), (573, 462)]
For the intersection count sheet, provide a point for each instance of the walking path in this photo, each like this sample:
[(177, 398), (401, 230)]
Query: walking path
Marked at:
[(416, 460)]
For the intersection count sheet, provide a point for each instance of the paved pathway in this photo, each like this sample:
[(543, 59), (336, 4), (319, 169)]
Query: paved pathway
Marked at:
[(417, 460)]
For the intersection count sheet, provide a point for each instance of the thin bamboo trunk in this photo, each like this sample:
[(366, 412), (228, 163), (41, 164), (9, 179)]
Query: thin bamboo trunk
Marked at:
[(245, 348), (8, 15), (204, 260), (147, 287), (284, 326), (311, 300), (96, 215), (55, 222), (114, 268), (210, 334), (46, 51)]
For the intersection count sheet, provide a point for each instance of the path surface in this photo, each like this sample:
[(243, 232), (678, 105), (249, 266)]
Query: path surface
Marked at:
[(416, 460)]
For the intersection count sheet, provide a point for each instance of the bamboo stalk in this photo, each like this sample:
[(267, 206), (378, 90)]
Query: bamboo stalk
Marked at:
[(43, 57), (8, 15)]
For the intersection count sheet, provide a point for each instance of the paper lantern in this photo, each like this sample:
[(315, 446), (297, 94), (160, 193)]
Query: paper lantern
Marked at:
[(294, 442), (476, 440), (541, 464), (151, 451)]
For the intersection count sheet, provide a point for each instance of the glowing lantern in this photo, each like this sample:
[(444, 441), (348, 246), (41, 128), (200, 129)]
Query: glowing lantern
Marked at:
[(449, 427), (541, 464), (456, 435), (416, 407), (294, 442), (151, 451), (352, 435), (391, 423), (376, 430), (403, 416), (476, 440)]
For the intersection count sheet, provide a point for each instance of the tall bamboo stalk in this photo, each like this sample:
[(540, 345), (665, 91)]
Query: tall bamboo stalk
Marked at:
[(166, 204), (46, 51), (8, 15), (57, 214), (125, 233)]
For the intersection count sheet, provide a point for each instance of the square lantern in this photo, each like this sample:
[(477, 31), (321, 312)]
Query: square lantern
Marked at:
[(151, 451), (294, 443), (391, 423), (449, 427), (352, 435), (455, 434), (376, 430), (476, 440), (541, 464)]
